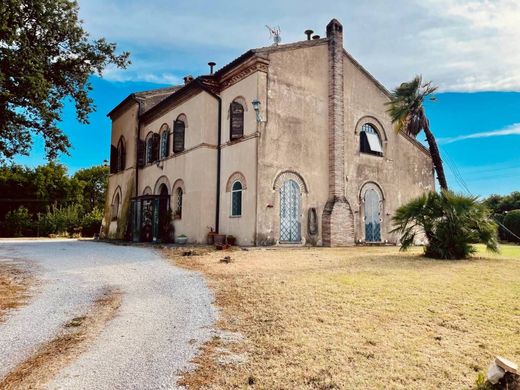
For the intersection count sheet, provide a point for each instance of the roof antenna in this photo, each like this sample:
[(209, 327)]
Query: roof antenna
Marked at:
[(274, 34)]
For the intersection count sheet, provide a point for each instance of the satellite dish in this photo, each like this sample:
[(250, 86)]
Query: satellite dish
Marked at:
[(274, 34)]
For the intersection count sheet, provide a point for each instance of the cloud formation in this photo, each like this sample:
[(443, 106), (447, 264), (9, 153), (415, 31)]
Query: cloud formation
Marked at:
[(509, 130), (462, 45)]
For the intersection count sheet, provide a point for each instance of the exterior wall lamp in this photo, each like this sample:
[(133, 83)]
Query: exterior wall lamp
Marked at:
[(256, 106)]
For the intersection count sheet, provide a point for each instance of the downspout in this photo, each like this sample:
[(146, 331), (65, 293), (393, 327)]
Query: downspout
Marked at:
[(217, 207), (219, 153)]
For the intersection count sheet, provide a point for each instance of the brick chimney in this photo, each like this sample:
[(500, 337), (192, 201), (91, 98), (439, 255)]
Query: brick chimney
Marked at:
[(337, 219)]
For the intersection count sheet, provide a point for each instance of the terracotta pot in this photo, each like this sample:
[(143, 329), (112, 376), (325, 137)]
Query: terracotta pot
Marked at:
[(211, 238), (231, 240), (220, 239)]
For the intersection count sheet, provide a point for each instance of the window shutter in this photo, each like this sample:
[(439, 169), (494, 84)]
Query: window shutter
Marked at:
[(178, 136), (141, 152), (236, 121), (156, 142), (113, 159), (123, 156)]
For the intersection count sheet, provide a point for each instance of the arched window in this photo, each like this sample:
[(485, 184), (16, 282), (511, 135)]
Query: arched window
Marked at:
[(165, 142), (179, 127), (149, 148), (178, 203), (369, 140), (236, 199), (236, 122), (121, 155)]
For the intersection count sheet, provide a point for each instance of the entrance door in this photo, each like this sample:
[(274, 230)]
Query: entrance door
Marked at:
[(290, 212), (372, 216)]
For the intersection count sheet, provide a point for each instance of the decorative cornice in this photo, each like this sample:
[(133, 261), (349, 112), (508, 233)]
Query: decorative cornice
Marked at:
[(255, 64)]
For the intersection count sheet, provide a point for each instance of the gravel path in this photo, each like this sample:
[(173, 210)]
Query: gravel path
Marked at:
[(166, 314)]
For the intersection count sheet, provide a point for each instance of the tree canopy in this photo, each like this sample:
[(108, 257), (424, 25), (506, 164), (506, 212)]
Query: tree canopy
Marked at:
[(46, 57)]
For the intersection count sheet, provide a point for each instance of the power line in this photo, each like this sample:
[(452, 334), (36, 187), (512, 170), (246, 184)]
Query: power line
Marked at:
[(461, 181)]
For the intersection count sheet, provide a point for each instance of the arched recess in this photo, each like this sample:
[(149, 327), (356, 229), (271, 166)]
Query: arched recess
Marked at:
[(371, 203), (238, 99), (178, 193), (121, 154), (147, 191), (183, 117), (289, 175), (237, 176), (162, 180), (376, 123), (116, 203)]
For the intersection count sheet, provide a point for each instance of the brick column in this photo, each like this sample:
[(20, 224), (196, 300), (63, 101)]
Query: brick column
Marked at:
[(337, 219)]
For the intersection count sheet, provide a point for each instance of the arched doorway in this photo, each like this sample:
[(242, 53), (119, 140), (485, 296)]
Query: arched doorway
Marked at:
[(372, 216), (290, 225)]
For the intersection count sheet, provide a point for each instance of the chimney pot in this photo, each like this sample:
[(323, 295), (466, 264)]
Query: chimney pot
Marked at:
[(315, 37), (211, 65), (309, 33)]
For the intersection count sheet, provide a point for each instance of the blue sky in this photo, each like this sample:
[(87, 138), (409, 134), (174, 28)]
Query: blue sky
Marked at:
[(466, 47)]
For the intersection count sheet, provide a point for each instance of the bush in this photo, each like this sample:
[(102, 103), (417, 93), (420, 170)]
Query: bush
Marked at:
[(450, 222), (512, 222), (61, 221), (18, 222), (91, 223)]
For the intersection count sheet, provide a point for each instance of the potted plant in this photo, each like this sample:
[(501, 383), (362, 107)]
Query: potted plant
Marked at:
[(181, 239), (211, 237), (231, 240)]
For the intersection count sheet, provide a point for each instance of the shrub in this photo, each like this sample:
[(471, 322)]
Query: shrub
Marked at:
[(61, 221), (18, 222), (512, 222), (450, 222), (91, 223)]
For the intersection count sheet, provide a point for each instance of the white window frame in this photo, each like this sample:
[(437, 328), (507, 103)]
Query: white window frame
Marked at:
[(241, 190)]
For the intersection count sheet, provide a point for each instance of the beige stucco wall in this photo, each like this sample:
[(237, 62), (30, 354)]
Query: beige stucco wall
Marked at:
[(295, 136), (124, 124), (196, 166), (240, 156), (404, 172)]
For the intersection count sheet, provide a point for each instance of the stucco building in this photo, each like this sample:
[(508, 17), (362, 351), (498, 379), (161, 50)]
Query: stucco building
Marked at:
[(285, 144)]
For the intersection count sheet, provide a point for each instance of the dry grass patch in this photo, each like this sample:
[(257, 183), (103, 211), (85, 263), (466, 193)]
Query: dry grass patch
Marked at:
[(51, 357), (15, 281), (363, 318)]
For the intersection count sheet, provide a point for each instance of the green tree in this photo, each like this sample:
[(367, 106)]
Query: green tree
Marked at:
[(45, 57), (450, 222), (406, 108), (512, 223), (94, 185)]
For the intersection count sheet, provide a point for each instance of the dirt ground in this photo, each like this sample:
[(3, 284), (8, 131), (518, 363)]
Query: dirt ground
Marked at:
[(14, 286), (356, 318)]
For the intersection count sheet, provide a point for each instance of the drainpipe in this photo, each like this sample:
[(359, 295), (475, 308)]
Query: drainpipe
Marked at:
[(217, 208), (219, 153)]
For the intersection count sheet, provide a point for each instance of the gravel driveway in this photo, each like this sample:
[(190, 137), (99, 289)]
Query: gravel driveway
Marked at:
[(165, 315)]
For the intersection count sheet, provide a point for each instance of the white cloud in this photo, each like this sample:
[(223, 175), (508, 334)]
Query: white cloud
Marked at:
[(462, 45), (509, 130)]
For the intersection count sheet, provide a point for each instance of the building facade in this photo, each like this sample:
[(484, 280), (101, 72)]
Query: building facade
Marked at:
[(289, 144)]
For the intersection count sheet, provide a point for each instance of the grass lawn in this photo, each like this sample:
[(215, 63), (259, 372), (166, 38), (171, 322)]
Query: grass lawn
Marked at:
[(357, 318)]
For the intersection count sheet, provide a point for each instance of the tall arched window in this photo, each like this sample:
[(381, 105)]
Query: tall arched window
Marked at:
[(165, 141), (178, 203), (149, 148), (369, 140), (121, 154), (236, 199), (236, 122), (179, 127)]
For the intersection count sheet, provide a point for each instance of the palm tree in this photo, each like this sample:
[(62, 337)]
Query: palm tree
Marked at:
[(406, 108)]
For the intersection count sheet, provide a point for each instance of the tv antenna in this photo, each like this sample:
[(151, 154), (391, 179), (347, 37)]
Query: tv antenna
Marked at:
[(274, 34)]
